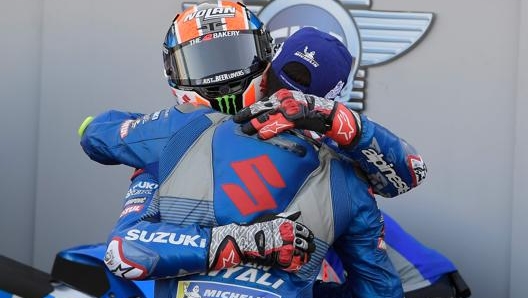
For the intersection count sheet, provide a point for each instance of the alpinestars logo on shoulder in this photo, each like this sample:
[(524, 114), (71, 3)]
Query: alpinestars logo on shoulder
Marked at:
[(375, 37)]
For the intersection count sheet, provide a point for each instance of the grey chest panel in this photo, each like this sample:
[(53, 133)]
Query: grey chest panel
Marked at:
[(192, 177), (314, 200)]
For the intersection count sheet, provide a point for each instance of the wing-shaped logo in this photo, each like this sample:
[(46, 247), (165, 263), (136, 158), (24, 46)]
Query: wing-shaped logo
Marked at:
[(375, 37)]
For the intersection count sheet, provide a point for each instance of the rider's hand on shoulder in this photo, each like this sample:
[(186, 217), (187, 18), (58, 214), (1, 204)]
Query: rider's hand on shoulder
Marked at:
[(287, 109)]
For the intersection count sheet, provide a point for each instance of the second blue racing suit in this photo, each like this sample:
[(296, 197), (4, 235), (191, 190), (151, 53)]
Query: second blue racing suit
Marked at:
[(418, 265), (211, 174)]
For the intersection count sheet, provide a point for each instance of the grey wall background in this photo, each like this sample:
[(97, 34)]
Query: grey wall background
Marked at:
[(19, 97), (459, 97)]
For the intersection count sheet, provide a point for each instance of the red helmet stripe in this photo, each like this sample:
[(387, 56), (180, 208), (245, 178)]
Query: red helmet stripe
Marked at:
[(240, 21)]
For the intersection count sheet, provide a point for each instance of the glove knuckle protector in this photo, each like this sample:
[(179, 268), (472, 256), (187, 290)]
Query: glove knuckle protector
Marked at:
[(275, 241)]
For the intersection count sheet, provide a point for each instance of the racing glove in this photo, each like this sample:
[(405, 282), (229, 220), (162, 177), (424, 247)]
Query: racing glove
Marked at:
[(270, 241), (287, 109)]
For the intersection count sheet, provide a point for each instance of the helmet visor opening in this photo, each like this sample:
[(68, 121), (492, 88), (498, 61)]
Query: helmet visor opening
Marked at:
[(217, 58)]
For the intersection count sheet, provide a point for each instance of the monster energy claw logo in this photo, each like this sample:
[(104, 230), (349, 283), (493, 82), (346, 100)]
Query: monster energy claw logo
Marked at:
[(226, 102)]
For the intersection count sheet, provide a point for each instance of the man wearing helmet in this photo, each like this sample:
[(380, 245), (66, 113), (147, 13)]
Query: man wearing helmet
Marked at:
[(216, 56), (247, 181)]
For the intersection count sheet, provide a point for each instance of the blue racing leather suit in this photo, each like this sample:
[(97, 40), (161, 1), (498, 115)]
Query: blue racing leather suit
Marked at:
[(231, 177), (418, 265)]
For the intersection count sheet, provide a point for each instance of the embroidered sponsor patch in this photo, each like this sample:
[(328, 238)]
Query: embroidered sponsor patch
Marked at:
[(131, 209), (125, 126), (386, 169), (418, 168)]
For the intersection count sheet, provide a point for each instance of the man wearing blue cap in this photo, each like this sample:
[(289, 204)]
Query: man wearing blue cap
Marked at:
[(315, 62), (241, 178)]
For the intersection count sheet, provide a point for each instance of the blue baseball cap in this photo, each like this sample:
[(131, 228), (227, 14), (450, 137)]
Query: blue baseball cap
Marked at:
[(327, 60)]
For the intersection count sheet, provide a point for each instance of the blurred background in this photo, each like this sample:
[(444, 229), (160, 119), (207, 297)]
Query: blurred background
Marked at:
[(459, 95)]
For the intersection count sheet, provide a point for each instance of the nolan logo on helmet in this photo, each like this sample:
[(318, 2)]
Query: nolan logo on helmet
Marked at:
[(212, 13)]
